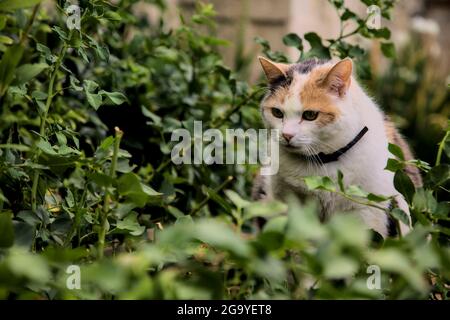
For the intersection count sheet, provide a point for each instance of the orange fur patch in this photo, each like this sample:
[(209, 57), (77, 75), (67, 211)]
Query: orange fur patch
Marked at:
[(315, 96), (277, 98)]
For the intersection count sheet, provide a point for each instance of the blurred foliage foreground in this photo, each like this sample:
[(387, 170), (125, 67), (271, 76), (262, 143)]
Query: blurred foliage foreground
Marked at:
[(74, 192)]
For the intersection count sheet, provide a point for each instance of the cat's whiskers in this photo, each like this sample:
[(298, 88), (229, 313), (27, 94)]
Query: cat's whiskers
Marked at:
[(322, 165), (311, 153), (312, 147)]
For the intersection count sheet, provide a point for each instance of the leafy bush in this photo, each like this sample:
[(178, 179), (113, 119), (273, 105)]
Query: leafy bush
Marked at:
[(77, 190)]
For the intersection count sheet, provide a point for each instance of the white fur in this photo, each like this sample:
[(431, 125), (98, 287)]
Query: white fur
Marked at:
[(363, 165)]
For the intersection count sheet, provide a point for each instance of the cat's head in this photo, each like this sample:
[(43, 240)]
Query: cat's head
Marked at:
[(309, 103)]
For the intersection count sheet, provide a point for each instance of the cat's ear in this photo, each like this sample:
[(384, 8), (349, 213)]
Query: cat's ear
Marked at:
[(339, 77), (273, 70)]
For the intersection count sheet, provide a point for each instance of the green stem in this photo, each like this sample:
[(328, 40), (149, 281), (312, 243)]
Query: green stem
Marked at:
[(205, 201), (23, 36), (370, 204), (44, 120), (365, 203), (107, 196), (441, 147), (75, 229), (44, 116)]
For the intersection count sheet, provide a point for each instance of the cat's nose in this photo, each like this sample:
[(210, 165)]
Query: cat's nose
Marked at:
[(287, 136)]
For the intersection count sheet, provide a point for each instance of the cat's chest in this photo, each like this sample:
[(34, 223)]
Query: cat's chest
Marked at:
[(292, 173), (291, 178)]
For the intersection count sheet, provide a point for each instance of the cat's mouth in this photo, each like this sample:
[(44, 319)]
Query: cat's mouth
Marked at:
[(298, 149), (293, 148)]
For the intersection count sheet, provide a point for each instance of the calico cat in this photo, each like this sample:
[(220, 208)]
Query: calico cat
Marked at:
[(328, 123)]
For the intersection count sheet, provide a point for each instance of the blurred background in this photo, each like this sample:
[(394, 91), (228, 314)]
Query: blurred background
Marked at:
[(412, 88)]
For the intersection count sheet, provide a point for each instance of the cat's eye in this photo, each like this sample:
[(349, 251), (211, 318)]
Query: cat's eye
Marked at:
[(277, 113), (310, 115)]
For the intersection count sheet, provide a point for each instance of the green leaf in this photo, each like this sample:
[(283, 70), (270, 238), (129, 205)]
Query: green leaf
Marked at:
[(28, 265), (131, 187), (94, 99), (276, 225), (264, 209), (113, 16), (116, 97), (7, 5), (62, 140), (394, 165), (101, 179), (347, 15), (46, 147), (216, 198), (442, 211), (404, 185), (2, 22), (317, 48), (437, 176), (39, 95), (396, 151), (61, 33), (18, 147), (388, 49), (424, 201), (224, 71), (318, 182), (303, 222), (340, 177), (24, 234), (339, 267), (45, 52), (74, 83), (131, 224), (90, 85), (270, 268), (236, 199), (400, 215), (101, 51), (6, 229), (70, 199), (166, 54), (26, 72), (263, 42), (220, 236), (394, 260), (174, 211), (384, 33), (6, 40), (8, 64), (293, 40), (356, 191), (377, 197), (348, 230)]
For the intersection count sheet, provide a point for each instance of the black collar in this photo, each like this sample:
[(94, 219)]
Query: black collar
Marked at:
[(331, 157)]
